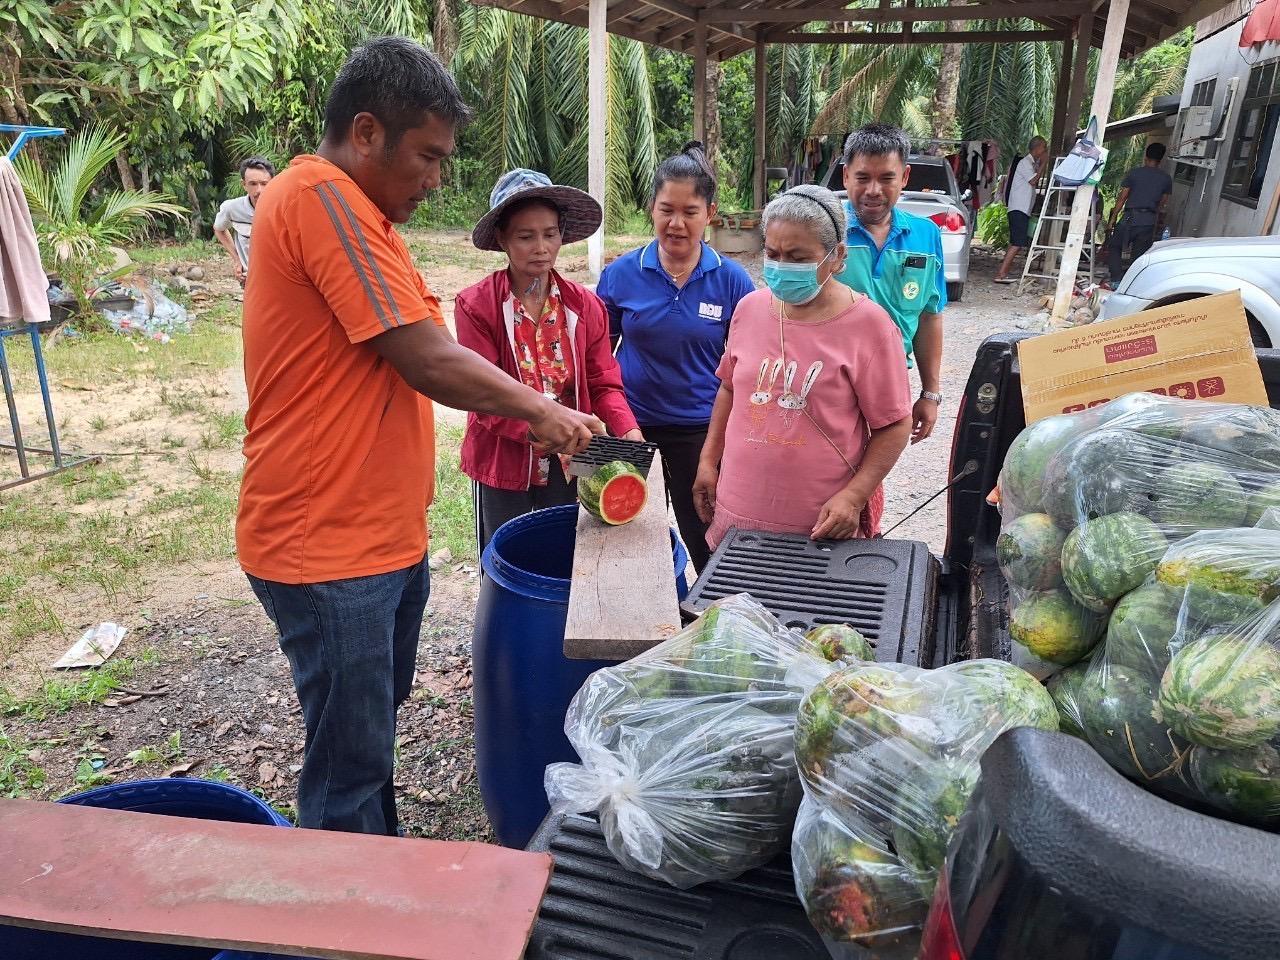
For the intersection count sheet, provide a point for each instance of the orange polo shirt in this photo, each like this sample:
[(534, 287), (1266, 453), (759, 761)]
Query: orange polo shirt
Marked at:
[(340, 451)]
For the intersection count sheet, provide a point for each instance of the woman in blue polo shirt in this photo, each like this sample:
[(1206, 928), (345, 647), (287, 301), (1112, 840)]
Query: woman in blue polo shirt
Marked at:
[(671, 302)]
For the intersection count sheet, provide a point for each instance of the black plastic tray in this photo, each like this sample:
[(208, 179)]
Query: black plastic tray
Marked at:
[(886, 589), (604, 450), (596, 909)]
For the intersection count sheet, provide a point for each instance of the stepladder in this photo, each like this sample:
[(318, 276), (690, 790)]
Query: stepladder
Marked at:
[(1044, 256)]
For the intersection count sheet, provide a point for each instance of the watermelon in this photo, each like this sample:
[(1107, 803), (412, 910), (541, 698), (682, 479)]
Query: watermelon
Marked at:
[(1136, 409), (1030, 552), (1260, 500), (1104, 471), (1245, 562), (615, 493), (1065, 688), (1105, 558), (1054, 627), (1029, 455), (1198, 496), (853, 887), (839, 641), (1122, 722), (1006, 696), (1207, 608), (1245, 783), (1236, 431), (1141, 627), (930, 803), (1223, 691)]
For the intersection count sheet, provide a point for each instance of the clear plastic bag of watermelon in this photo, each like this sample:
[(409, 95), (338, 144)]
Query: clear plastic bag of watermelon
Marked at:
[(858, 894), (1091, 502), (1183, 697), (687, 750), (892, 751)]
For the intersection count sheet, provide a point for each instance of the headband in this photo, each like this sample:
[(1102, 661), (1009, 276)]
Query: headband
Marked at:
[(831, 216)]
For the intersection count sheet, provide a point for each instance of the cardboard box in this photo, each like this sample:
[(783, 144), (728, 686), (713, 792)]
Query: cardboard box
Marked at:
[(1198, 349)]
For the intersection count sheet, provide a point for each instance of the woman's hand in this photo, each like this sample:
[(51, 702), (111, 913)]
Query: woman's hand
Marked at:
[(634, 435), (839, 517), (704, 491)]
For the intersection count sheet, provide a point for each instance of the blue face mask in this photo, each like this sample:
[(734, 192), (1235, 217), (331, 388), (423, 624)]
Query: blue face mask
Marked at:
[(793, 283)]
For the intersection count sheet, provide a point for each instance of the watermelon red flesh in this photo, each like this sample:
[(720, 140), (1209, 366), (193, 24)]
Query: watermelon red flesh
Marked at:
[(622, 498), (615, 493)]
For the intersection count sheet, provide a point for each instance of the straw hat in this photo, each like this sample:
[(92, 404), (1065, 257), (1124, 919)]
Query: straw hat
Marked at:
[(580, 213)]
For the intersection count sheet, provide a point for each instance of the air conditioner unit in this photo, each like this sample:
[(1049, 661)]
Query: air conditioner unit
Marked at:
[(1197, 123)]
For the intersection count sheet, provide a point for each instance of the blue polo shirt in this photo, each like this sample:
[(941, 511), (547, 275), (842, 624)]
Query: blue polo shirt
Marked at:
[(906, 276), (672, 337)]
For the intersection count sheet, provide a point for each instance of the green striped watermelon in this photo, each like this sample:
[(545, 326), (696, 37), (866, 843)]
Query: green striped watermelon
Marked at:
[(1105, 558), (615, 493)]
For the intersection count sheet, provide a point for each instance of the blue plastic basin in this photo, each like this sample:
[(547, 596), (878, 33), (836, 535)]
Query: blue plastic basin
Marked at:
[(523, 681)]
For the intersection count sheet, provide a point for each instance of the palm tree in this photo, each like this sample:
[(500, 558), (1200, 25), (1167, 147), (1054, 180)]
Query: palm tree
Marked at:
[(76, 223), (529, 79)]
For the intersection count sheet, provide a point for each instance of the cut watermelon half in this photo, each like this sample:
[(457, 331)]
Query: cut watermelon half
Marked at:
[(614, 494)]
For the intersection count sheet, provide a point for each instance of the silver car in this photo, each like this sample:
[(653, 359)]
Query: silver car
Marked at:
[(936, 196), (1176, 270)]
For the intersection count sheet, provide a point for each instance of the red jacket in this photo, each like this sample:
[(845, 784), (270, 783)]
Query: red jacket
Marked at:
[(496, 450)]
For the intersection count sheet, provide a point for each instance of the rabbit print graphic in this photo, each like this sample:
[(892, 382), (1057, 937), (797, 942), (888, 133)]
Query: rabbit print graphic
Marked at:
[(787, 403)]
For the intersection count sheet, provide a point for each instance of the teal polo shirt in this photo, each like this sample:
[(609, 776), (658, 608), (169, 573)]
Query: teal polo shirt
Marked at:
[(906, 276)]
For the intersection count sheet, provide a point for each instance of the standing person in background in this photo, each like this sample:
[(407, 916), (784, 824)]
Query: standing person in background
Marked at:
[(345, 347), (1022, 197), (1143, 195), (542, 329), (234, 221), (671, 302), (896, 258)]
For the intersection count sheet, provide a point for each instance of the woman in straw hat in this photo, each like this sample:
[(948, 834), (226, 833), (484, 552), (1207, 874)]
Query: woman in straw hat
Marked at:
[(542, 329)]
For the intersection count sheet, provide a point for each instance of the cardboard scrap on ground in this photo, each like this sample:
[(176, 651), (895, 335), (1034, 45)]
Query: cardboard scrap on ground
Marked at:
[(1199, 349), (93, 648)]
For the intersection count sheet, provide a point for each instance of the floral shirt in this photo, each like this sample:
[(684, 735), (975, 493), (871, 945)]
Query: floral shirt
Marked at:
[(544, 355)]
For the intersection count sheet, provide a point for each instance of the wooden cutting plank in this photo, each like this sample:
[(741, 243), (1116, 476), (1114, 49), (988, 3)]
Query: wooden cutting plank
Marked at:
[(140, 876), (622, 598)]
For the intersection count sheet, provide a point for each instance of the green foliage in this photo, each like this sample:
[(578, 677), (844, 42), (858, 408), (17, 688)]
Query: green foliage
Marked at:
[(993, 226), (75, 227)]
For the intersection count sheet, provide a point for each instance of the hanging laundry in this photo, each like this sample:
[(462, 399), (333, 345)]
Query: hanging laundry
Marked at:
[(23, 283)]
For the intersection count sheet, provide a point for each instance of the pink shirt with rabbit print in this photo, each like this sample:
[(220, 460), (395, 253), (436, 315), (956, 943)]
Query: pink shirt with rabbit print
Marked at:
[(845, 375)]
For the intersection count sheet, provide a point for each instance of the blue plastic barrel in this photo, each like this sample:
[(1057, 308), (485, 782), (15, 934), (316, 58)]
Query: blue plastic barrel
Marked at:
[(522, 680), (187, 797)]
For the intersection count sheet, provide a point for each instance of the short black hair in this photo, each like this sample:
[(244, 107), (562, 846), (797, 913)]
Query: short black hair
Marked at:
[(1155, 151), (689, 164), (877, 140), (1038, 142), (256, 163), (397, 80)]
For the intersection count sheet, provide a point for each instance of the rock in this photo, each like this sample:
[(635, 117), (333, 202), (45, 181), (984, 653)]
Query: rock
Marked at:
[(174, 269), (195, 273), (440, 558), (267, 729), (119, 259), (1023, 324)]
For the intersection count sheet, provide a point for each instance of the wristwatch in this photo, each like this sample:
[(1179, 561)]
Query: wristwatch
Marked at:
[(935, 397)]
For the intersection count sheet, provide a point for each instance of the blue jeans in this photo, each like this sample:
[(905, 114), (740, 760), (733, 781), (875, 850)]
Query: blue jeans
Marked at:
[(351, 645)]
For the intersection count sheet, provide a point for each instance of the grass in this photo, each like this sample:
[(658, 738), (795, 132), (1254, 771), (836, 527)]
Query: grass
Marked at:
[(451, 517), (19, 773), (184, 253), (59, 694)]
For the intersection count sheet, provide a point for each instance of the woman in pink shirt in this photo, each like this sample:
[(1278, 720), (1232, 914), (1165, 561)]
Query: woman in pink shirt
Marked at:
[(814, 407)]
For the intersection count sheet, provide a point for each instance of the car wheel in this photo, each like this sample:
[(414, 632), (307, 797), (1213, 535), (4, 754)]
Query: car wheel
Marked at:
[(955, 292), (1259, 334)]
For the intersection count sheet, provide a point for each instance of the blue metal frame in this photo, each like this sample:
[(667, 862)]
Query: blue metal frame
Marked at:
[(26, 133), (54, 450)]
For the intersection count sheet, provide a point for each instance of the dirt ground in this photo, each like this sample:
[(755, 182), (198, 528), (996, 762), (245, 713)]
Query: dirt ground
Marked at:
[(201, 688)]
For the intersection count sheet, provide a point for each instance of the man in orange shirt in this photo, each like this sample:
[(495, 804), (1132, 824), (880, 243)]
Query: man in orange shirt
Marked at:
[(344, 348)]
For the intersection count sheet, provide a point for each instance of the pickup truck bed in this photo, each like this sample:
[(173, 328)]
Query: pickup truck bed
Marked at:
[(596, 910)]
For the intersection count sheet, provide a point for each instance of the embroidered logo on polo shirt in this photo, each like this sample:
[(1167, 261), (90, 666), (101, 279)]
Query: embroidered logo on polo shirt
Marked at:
[(711, 311), (911, 290)]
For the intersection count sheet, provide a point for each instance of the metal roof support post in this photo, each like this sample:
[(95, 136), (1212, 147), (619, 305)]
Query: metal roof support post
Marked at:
[(1103, 89), (597, 123), (700, 81), (760, 185)]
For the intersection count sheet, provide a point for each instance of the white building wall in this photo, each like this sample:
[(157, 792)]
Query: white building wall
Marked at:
[(1199, 209)]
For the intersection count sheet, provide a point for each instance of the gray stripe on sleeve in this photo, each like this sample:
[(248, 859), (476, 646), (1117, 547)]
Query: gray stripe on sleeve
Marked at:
[(377, 271), (351, 255)]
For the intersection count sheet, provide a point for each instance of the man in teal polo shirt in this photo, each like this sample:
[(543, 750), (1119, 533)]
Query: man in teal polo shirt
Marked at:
[(896, 258)]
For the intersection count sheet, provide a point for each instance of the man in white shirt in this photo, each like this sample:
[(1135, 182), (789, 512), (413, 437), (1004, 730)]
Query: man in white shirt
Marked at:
[(234, 221), (1022, 194)]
